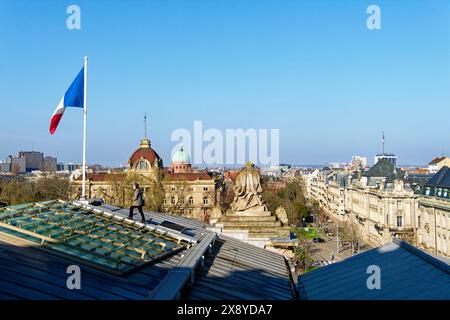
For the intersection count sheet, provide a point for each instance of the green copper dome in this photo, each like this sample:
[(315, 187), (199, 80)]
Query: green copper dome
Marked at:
[(181, 156)]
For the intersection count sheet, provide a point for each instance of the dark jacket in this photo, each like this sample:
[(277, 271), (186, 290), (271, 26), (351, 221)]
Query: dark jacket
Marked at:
[(138, 199)]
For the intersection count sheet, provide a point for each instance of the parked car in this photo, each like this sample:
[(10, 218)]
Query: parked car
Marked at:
[(318, 240)]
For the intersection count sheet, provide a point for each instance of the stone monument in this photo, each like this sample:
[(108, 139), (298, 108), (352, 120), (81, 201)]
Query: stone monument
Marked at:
[(249, 218), (247, 192)]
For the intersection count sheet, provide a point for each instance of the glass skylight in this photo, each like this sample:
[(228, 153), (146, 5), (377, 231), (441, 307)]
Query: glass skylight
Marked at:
[(96, 239)]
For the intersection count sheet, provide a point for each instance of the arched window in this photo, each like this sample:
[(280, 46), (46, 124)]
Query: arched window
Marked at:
[(205, 200), (191, 200), (142, 165)]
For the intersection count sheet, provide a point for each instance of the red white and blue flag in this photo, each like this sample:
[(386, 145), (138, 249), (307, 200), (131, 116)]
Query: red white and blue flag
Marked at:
[(73, 97)]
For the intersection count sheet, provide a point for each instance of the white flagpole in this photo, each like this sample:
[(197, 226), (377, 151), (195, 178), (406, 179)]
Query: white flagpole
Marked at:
[(83, 194)]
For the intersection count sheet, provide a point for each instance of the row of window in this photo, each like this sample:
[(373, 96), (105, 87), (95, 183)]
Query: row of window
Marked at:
[(440, 192), (190, 201), (189, 188)]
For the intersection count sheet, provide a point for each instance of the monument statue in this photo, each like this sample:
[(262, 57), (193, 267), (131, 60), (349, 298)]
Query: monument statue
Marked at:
[(249, 219), (247, 190)]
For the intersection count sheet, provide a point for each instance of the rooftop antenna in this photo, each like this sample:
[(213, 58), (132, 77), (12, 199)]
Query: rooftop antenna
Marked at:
[(145, 125)]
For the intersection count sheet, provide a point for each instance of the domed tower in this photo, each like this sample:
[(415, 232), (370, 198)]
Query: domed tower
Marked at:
[(181, 163), (145, 160)]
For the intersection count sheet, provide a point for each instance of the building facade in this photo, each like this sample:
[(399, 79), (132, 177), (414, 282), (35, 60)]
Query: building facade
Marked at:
[(183, 190), (49, 164), (13, 165), (33, 160), (382, 203)]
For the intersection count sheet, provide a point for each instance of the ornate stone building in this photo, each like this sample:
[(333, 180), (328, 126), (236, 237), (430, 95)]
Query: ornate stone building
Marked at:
[(145, 160), (192, 193), (382, 203), (182, 190), (433, 218)]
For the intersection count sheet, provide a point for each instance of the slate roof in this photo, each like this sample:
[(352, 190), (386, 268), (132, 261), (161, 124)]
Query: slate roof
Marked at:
[(212, 267), (440, 179), (238, 271), (407, 273), (384, 169)]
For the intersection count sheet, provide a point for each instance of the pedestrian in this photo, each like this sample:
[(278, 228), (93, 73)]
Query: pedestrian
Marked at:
[(138, 202)]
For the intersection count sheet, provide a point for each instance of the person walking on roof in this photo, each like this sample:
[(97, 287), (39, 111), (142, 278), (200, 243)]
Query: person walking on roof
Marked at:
[(138, 202)]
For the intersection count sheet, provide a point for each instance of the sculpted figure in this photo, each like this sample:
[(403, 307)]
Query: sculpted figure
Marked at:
[(247, 190)]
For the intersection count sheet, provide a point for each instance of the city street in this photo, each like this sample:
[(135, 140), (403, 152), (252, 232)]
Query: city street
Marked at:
[(327, 251)]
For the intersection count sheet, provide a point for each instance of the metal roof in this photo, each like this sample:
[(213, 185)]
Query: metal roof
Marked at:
[(440, 179), (407, 273), (239, 271), (209, 266), (103, 241)]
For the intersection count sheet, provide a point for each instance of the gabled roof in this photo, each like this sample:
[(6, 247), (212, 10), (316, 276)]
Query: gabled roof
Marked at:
[(407, 273), (384, 169), (440, 179)]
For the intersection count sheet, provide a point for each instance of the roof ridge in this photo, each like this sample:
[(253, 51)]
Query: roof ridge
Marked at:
[(423, 255)]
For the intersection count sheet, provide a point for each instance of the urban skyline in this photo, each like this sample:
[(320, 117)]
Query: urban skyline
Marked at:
[(312, 70), (295, 164)]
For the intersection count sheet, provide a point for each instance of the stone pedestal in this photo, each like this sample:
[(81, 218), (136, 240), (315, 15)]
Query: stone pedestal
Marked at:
[(256, 227)]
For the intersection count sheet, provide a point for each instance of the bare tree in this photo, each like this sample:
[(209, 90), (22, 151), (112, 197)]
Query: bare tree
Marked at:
[(121, 190), (350, 233), (176, 197), (15, 169), (304, 255)]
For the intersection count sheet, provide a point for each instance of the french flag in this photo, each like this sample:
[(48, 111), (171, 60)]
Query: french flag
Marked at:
[(74, 97)]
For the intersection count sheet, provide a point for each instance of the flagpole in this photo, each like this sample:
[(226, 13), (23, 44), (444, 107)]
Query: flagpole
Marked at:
[(83, 194)]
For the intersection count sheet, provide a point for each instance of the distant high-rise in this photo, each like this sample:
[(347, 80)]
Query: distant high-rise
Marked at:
[(49, 164), (392, 158), (33, 160), (15, 165)]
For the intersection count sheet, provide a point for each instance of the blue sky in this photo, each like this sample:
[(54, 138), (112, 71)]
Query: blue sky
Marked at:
[(310, 68)]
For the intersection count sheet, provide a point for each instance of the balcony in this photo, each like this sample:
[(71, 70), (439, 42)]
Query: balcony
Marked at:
[(401, 229)]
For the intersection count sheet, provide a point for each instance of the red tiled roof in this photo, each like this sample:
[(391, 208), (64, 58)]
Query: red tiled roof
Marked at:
[(231, 175), (192, 176), (148, 154), (101, 176)]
